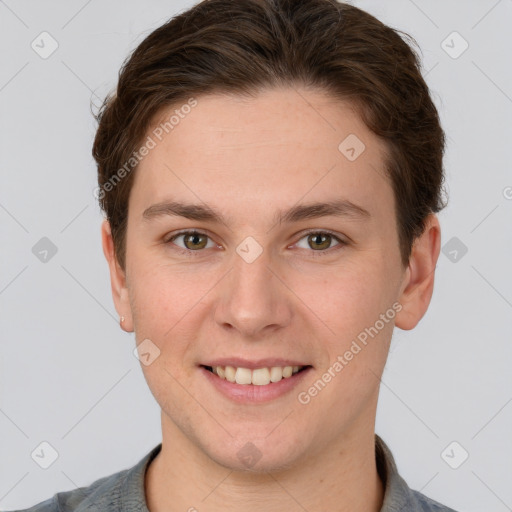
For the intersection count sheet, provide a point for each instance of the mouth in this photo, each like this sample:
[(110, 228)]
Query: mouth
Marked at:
[(263, 376)]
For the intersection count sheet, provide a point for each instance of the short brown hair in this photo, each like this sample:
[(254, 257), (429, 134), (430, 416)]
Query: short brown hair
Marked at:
[(242, 46)]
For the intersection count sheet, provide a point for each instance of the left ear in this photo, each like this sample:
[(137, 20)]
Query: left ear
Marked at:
[(418, 284)]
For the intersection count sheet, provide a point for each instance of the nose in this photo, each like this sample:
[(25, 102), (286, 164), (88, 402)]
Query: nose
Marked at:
[(253, 299)]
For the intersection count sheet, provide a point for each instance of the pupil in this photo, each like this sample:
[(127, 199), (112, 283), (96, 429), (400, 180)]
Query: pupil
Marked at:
[(194, 239), (322, 238)]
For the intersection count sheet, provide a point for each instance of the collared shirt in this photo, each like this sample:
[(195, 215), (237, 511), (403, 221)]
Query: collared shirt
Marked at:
[(124, 491)]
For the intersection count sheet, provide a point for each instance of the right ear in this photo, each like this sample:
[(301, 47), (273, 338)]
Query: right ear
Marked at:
[(117, 278)]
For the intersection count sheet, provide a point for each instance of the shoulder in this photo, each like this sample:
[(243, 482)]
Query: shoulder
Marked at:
[(123, 490), (398, 496), (104, 491), (425, 504)]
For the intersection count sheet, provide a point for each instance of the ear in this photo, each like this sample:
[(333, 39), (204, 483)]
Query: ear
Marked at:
[(418, 284), (117, 279)]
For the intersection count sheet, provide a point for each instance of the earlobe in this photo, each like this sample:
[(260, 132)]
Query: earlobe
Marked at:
[(117, 279), (418, 284)]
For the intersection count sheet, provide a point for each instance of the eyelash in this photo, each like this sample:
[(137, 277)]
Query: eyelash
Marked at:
[(315, 254)]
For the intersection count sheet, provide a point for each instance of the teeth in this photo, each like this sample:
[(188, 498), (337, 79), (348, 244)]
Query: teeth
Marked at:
[(276, 374), (257, 377), (229, 372), (287, 371), (260, 377), (243, 376)]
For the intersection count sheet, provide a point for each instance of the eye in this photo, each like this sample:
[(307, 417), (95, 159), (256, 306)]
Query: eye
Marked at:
[(192, 240), (320, 242)]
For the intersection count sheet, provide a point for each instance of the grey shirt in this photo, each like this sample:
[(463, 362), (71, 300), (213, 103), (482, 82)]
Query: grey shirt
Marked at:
[(124, 491)]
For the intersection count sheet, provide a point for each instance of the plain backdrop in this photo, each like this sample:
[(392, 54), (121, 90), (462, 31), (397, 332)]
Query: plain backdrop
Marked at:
[(68, 376)]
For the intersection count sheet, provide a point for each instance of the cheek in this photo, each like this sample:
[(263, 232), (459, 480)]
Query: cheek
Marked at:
[(162, 294), (163, 302), (165, 308), (350, 302), (346, 299)]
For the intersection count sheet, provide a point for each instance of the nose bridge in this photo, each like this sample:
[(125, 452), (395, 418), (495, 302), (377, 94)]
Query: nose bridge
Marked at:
[(252, 299)]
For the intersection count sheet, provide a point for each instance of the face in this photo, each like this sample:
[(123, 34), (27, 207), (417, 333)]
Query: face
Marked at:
[(256, 278)]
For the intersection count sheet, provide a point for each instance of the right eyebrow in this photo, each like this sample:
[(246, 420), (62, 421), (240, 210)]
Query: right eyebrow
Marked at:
[(189, 211)]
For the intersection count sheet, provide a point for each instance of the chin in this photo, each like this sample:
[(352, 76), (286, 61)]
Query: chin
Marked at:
[(260, 456)]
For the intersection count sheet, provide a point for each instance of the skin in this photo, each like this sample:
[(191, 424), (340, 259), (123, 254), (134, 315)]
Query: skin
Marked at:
[(249, 158)]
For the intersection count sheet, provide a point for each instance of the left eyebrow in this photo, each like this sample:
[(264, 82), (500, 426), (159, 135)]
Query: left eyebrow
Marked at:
[(199, 212), (339, 208)]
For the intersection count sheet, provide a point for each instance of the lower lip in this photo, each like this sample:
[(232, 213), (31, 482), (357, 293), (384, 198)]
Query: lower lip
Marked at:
[(251, 394)]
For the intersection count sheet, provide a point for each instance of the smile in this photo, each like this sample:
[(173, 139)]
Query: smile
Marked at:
[(256, 376)]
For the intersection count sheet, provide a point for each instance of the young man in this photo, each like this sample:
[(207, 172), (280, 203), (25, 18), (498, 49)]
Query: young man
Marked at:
[(270, 172)]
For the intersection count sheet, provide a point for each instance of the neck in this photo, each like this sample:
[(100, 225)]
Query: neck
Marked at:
[(342, 478)]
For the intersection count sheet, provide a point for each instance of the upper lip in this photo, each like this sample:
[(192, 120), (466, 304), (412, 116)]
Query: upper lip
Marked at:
[(239, 362)]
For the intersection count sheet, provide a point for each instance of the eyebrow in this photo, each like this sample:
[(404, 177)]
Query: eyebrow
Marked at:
[(337, 208)]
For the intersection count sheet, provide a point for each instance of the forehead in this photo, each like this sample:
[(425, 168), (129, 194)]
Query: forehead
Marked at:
[(250, 155)]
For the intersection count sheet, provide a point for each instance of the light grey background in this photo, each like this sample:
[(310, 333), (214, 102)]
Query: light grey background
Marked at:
[(67, 372)]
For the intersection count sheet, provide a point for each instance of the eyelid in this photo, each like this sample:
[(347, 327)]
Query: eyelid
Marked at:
[(337, 236), (173, 236), (301, 235), (319, 253)]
